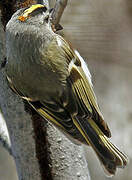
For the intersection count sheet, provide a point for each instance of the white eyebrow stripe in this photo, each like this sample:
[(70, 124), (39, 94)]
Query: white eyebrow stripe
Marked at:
[(84, 67), (71, 64), (59, 41)]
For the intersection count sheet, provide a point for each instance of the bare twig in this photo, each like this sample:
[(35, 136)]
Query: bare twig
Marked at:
[(58, 11)]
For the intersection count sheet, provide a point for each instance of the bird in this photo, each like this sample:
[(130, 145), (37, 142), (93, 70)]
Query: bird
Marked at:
[(44, 69)]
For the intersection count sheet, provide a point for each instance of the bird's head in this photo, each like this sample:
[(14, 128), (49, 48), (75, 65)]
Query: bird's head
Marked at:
[(37, 14)]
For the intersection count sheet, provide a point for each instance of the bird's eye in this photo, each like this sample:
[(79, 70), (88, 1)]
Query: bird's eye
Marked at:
[(46, 19), (44, 9)]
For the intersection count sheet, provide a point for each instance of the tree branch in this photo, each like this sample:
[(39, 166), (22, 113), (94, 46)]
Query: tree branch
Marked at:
[(58, 11), (68, 159)]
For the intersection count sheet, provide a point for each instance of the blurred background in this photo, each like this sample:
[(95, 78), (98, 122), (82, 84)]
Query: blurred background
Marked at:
[(102, 32)]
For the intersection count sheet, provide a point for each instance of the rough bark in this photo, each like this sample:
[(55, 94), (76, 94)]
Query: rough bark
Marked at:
[(40, 151), (58, 10)]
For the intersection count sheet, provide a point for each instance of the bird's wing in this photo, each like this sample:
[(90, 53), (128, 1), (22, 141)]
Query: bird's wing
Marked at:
[(83, 89), (88, 118), (80, 80)]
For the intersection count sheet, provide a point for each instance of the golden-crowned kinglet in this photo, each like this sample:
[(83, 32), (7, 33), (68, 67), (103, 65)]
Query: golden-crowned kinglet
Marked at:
[(44, 69)]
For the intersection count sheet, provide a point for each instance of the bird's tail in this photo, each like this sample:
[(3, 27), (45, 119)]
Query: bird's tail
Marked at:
[(109, 155)]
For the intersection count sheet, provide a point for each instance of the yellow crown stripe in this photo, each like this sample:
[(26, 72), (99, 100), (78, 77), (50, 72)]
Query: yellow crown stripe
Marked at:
[(28, 11)]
